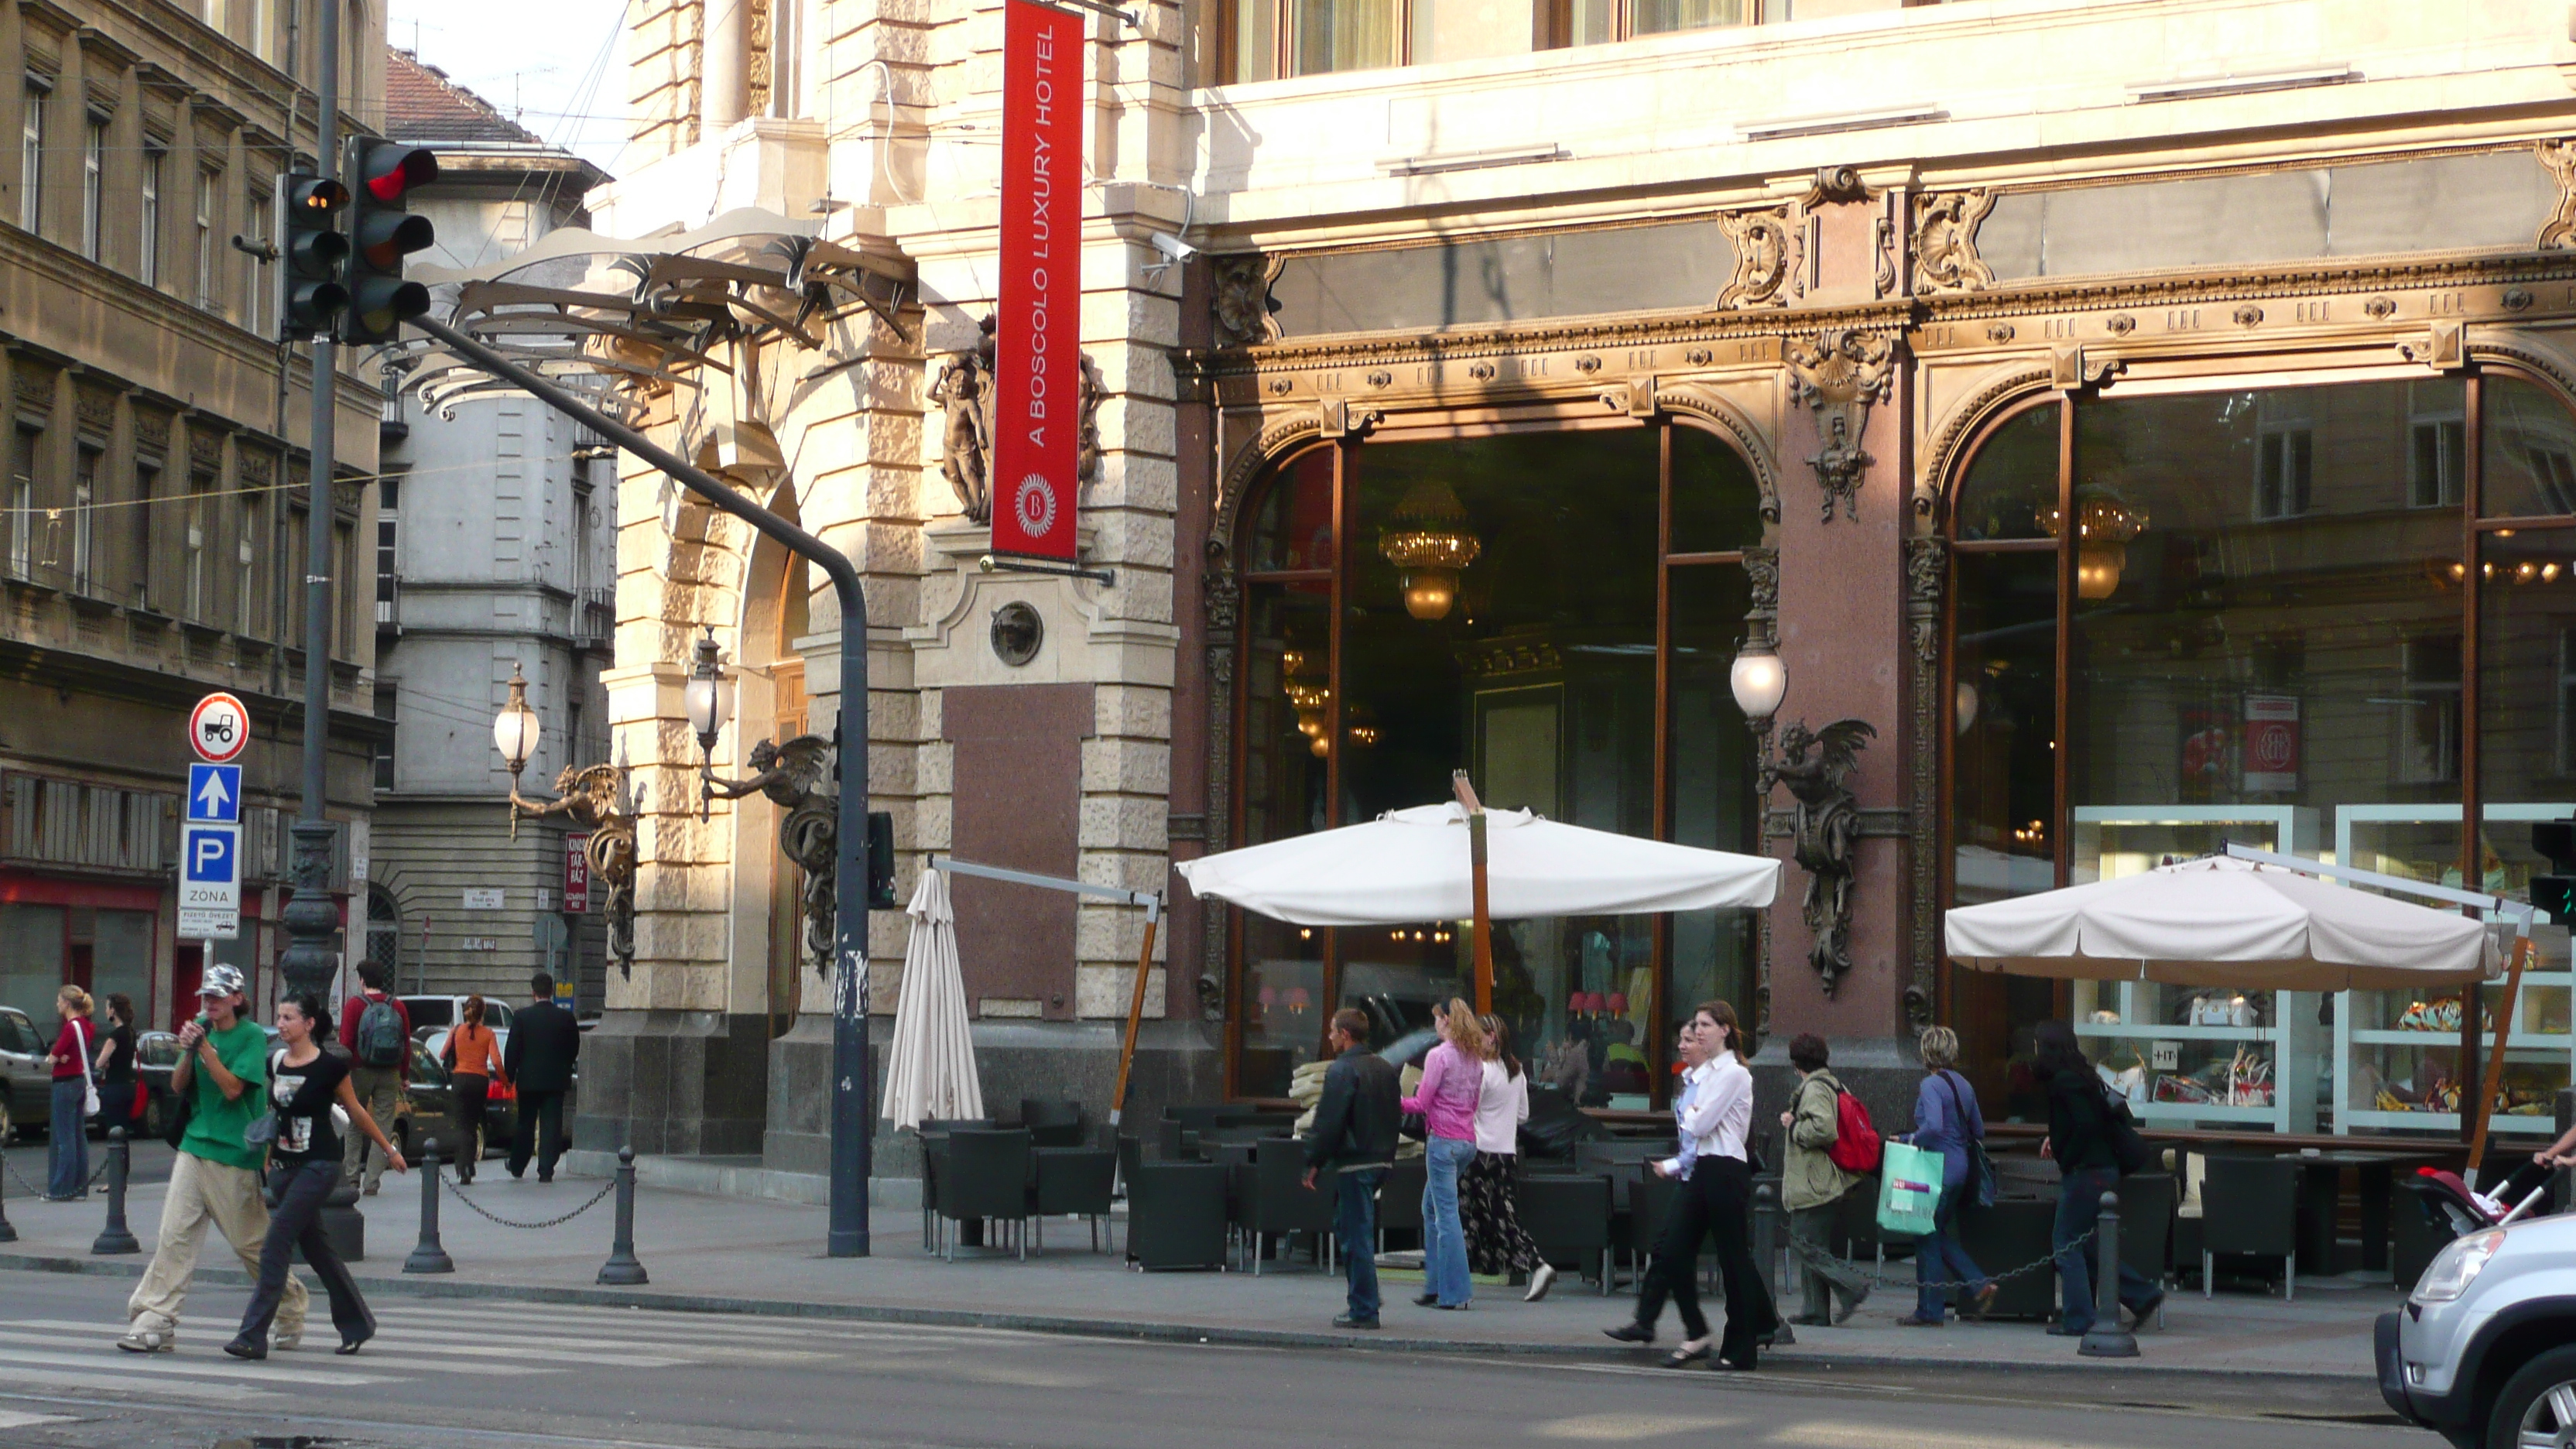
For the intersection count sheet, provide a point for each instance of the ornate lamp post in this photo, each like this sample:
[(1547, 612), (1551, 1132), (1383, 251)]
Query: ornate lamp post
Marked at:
[(594, 797)]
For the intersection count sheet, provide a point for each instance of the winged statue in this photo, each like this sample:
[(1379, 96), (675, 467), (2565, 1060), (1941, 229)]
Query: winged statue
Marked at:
[(1817, 766), (797, 778)]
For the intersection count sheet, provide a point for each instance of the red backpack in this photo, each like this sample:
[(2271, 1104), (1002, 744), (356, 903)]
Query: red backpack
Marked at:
[(1856, 1145)]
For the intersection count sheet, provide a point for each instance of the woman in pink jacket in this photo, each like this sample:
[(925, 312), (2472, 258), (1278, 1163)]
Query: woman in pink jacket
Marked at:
[(1452, 1075)]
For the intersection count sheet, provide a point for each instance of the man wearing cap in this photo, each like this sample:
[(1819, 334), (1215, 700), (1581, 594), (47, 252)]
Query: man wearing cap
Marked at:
[(222, 1069)]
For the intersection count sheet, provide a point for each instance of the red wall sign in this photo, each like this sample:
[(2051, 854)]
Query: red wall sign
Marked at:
[(1037, 356), (576, 887)]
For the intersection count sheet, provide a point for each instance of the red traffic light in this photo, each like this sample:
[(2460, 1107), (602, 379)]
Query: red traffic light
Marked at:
[(388, 170), (385, 237)]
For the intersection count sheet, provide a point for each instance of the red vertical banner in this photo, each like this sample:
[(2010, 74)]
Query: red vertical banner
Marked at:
[(576, 885), (1037, 355)]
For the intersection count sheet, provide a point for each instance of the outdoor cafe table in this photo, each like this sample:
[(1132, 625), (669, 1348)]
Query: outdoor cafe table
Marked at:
[(2322, 1187)]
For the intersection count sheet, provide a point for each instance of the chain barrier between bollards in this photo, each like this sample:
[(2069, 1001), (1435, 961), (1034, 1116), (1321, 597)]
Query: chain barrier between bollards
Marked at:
[(622, 1269), (1800, 1248), (428, 1256), (2106, 1338), (39, 1193), (116, 1237)]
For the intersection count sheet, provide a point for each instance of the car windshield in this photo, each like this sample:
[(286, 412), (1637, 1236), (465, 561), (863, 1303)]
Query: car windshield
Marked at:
[(157, 1049), (18, 1034), (429, 1011)]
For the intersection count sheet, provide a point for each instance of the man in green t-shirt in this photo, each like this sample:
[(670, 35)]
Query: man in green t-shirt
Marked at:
[(223, 1072)]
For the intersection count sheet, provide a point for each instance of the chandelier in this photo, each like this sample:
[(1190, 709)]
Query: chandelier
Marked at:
[(1309, 699), (1429, 543), (2104, 525)]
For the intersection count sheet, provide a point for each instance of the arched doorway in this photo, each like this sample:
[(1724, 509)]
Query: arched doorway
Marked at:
[(1554, 612), (777, 594)]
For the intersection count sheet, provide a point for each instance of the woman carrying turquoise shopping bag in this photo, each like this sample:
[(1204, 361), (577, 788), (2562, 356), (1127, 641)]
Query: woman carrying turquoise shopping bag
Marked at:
[(1949, 1128)]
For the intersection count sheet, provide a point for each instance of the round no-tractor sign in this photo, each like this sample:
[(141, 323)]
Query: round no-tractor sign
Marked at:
[(219, 728)]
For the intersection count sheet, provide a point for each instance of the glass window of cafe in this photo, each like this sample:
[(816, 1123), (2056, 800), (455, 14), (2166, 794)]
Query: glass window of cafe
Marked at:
[(1554, 613), (2335, 620)]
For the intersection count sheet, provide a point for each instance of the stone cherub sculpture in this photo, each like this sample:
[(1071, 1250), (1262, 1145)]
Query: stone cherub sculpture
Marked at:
[(797, 777), (1817, 767)]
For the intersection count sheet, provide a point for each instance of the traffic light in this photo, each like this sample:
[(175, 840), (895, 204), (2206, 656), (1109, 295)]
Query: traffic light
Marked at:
[(2555, 893), (381, 233), (880, 861), (314, 253)]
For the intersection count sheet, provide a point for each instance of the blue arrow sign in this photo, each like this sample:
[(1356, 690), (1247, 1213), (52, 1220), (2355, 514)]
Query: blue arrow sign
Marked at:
[(214, 793)]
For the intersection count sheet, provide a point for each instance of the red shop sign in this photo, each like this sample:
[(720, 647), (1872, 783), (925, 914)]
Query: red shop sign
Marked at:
[(1036, 345), (576, 887)]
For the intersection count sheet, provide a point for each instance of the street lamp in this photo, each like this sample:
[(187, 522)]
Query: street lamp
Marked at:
[(707, 700), (515, 732), (593, 797), (1759, 681)]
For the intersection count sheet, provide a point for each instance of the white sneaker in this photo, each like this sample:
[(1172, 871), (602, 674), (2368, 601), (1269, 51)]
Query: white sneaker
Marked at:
[(290, 1338), (1540, 1282), (149, 1340)]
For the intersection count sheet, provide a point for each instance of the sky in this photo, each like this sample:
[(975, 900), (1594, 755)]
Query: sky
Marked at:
[(556, 66)]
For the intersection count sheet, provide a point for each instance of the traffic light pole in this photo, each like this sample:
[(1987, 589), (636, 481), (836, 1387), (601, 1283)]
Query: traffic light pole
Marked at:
[(852, 1075), (311, 919)]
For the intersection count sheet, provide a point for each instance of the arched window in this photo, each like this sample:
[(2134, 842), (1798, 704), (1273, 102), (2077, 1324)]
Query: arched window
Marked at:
[(2244, 614), (384, 932), (1555, 613)]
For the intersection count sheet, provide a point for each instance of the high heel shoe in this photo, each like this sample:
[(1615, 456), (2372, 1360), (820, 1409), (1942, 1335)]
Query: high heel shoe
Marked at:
[(352, 1345)]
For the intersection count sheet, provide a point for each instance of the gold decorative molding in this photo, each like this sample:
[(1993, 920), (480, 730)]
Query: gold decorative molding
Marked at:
[(2559, 232), (1932, 480), (1766, 254), (1736, 426), (1945, 241), (1838, 373), (1240, 298)]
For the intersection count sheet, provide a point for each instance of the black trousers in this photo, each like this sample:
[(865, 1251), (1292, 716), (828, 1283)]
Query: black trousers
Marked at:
[(473, 1097), (539, 1131), (296, 1222), (1717, 1201)]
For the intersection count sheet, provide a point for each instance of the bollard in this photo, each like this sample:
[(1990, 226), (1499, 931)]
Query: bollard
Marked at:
[(430, 1256), (622, 1269), (2107, 1339), (1766, 1242), (116, 1237), (8, 1234)]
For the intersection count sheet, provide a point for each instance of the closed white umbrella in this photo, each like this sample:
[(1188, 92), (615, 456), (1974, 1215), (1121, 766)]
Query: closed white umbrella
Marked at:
[(1413, 865), (2224, 922), (931, 1072)]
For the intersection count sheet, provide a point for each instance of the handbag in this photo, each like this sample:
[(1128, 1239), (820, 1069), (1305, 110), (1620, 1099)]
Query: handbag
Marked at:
[(262, 1130), (1981, 1168), (89, 1073), (2128, 1149), (1909, 1189)]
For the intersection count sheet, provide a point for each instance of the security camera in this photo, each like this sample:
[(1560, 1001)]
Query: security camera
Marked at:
[(1173, 247)]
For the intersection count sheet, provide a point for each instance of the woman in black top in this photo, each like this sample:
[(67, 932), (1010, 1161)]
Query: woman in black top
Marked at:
[(2079, 1139), (116, 1065), (304, 1082)]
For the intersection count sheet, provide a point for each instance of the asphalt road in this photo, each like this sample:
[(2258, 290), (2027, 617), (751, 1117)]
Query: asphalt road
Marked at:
[(447, 1373)]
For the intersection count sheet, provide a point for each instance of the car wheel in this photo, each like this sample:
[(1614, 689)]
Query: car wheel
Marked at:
[(8, 1129), (156, 1120), (2538, 1404)]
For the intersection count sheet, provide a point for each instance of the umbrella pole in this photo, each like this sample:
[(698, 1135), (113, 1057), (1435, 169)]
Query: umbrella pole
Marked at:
[(1484, 922), (1135, 1016), (2493, 1077)]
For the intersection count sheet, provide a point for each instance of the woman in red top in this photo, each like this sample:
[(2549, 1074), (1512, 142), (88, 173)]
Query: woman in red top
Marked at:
[(474, 1056), (67, 1130)]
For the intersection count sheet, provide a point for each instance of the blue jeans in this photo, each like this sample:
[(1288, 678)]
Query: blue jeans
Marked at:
[(1355, 1224), (67, 1140), (1938, 1258), (1444, 1242), (2079, 1207)]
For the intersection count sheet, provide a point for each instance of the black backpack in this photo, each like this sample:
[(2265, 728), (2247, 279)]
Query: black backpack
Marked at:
[(2128, 1149)]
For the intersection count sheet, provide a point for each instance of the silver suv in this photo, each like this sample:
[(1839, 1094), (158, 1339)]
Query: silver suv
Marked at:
[(2484, 1351)]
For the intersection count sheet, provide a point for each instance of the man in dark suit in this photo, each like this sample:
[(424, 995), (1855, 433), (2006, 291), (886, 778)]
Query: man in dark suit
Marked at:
[(544, 1043)]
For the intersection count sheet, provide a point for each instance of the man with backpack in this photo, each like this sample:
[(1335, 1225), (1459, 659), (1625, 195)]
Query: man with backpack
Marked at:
[(375, 1027), (1832, 1149)]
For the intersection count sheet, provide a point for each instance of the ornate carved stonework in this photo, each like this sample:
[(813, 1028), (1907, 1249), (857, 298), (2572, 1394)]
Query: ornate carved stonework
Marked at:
[(205, 447), (1486, 658), (1766, 254), (1945, 241), (1836, 184), (1955, 430), (963, 392), (2559, 232), (152, 432), (1714, 410), (1838, 373), (1817, 767), (33, 385), (258, 468), (761, 32), (1240, 297), (1927, 575)]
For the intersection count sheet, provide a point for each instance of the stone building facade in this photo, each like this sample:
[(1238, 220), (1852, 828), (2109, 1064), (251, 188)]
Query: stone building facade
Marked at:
[(2142, 419)]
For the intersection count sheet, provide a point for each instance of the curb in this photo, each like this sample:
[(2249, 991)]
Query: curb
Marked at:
[(1133, 1332)]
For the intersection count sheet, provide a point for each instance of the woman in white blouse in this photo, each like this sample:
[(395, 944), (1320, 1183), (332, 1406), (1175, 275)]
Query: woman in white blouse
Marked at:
[(1487, 1190), (1713, 1110)]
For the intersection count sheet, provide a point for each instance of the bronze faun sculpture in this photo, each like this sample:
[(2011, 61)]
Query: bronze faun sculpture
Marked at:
[(1817, 767), (797, 777), (594, 797)]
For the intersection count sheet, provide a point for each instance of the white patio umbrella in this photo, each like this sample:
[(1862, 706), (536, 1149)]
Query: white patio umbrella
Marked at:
[(2224, 922), (1413, 865), (931, 1072)]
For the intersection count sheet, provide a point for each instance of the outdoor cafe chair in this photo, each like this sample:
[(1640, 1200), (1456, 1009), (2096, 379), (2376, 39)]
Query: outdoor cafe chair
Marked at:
[(1071, 1182), (1052, 1124), (1270, 1197), (986, 1177), (2250, 1205), (1176, 1216), (1568, 1215)]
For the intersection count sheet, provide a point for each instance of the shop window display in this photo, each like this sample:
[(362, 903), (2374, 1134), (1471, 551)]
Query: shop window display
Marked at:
[(2266, 643)]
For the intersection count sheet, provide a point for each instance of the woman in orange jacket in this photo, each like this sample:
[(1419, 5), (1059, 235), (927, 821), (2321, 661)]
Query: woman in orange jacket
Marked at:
[(474, 1060)]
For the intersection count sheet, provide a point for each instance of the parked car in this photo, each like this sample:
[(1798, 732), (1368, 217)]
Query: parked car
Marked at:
[(2484, 1352), (26, 1083), (436, 1013), (155, 1054), (432, 1090)]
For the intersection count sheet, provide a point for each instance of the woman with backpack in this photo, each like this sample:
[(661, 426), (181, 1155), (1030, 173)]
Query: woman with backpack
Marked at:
[(1823, 1162), (1947, 1121), (2085, 1128)]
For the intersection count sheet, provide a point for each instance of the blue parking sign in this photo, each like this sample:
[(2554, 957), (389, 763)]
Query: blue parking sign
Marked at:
[(210, 882), (211, 856)]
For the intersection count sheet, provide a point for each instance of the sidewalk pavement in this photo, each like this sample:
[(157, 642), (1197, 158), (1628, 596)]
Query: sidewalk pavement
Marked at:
[(728, 1254)]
